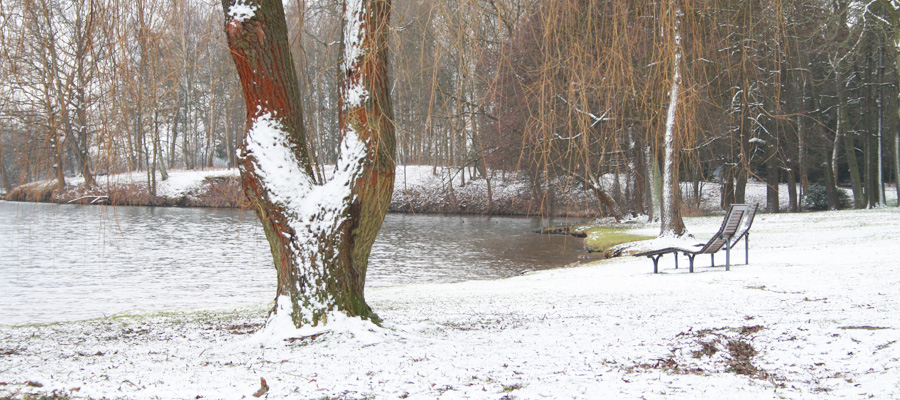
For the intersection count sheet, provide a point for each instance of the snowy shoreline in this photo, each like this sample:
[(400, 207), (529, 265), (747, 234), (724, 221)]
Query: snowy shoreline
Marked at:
[(811, 316), (417, 189)]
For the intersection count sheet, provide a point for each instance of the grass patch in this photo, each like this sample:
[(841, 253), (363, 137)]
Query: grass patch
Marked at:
[(707, 349), (741, 361), (11, 351), (601, 239), (864, 328), (510, 388), (54, 395)]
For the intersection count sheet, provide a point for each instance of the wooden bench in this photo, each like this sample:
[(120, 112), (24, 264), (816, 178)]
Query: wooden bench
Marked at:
[(724, 238)]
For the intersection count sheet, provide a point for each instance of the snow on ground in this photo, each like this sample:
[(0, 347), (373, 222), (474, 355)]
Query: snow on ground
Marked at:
[(711, 196), (812, 316)]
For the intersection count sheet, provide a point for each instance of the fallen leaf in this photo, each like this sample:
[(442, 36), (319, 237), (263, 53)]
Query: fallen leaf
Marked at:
[(263, 388)]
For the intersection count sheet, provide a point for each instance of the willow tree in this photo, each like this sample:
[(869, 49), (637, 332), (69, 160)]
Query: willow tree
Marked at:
[(320, 232)]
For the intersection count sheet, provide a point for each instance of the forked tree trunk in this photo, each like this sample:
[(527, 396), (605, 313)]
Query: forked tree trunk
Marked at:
[(320, 234)]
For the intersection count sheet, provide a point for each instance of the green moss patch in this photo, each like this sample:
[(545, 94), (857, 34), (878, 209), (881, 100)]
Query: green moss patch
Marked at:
[(601, 239)]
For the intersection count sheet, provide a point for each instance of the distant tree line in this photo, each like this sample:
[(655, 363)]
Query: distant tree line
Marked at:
[(570, 92)]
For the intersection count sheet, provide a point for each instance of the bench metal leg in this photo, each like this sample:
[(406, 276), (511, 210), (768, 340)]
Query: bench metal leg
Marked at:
[(747, 248), (728, 254), (656, 262), (676, 260), (691, 257), (712, 259)]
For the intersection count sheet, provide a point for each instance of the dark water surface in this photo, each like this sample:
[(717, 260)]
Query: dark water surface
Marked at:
[(69, 262)]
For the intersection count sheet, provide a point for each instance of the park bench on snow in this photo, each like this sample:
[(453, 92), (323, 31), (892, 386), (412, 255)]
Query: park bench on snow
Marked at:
[(735, 226)]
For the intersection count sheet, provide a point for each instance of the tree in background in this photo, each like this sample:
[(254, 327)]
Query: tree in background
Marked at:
[(320, 233), (892, 8), (564, 93)]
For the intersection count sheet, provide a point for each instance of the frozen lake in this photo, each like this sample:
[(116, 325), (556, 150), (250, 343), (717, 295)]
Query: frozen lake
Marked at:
[(70, 262)]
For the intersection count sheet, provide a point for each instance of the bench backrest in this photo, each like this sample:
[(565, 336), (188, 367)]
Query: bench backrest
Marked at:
[(728, 230), (747, 223)]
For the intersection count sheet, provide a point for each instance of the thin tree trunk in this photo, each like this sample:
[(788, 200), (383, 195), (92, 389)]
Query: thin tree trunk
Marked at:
[(855, 181), (173, 139), (896, 163), (868, 177), (895, 21), (607, 202), (791, 176), (772, 166), (836, 148), (636, 174), (158, 159), (482, 165), (742, 172), (727, 190), (4, 176), (880, 130), (654, 185), (801, 147), (54, 104), (831, 189), (849, 147), (670, 218), (772, 183)]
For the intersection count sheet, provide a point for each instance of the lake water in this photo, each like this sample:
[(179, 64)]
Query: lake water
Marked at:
[(71, 262)]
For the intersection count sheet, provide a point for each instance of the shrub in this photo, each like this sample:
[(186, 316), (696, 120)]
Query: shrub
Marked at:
[(816, 198)]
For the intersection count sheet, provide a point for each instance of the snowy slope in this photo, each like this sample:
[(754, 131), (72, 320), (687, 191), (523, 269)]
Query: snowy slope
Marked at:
[(813, 316)]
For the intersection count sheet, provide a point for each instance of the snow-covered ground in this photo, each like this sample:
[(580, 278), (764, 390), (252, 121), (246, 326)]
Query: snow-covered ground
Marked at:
[(179, 183), (813, 316)]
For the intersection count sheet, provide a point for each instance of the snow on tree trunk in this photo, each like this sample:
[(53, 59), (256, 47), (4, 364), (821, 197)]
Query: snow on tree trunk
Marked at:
[(670, 216), (320, 233)]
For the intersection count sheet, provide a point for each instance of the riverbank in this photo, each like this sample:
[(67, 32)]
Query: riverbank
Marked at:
[(811, 316), (417, 189)]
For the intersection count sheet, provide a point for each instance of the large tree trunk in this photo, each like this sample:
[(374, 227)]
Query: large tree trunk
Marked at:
[(320, 233)]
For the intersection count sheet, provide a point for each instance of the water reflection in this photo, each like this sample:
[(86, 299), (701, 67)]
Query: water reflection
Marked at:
[(65, 262)]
